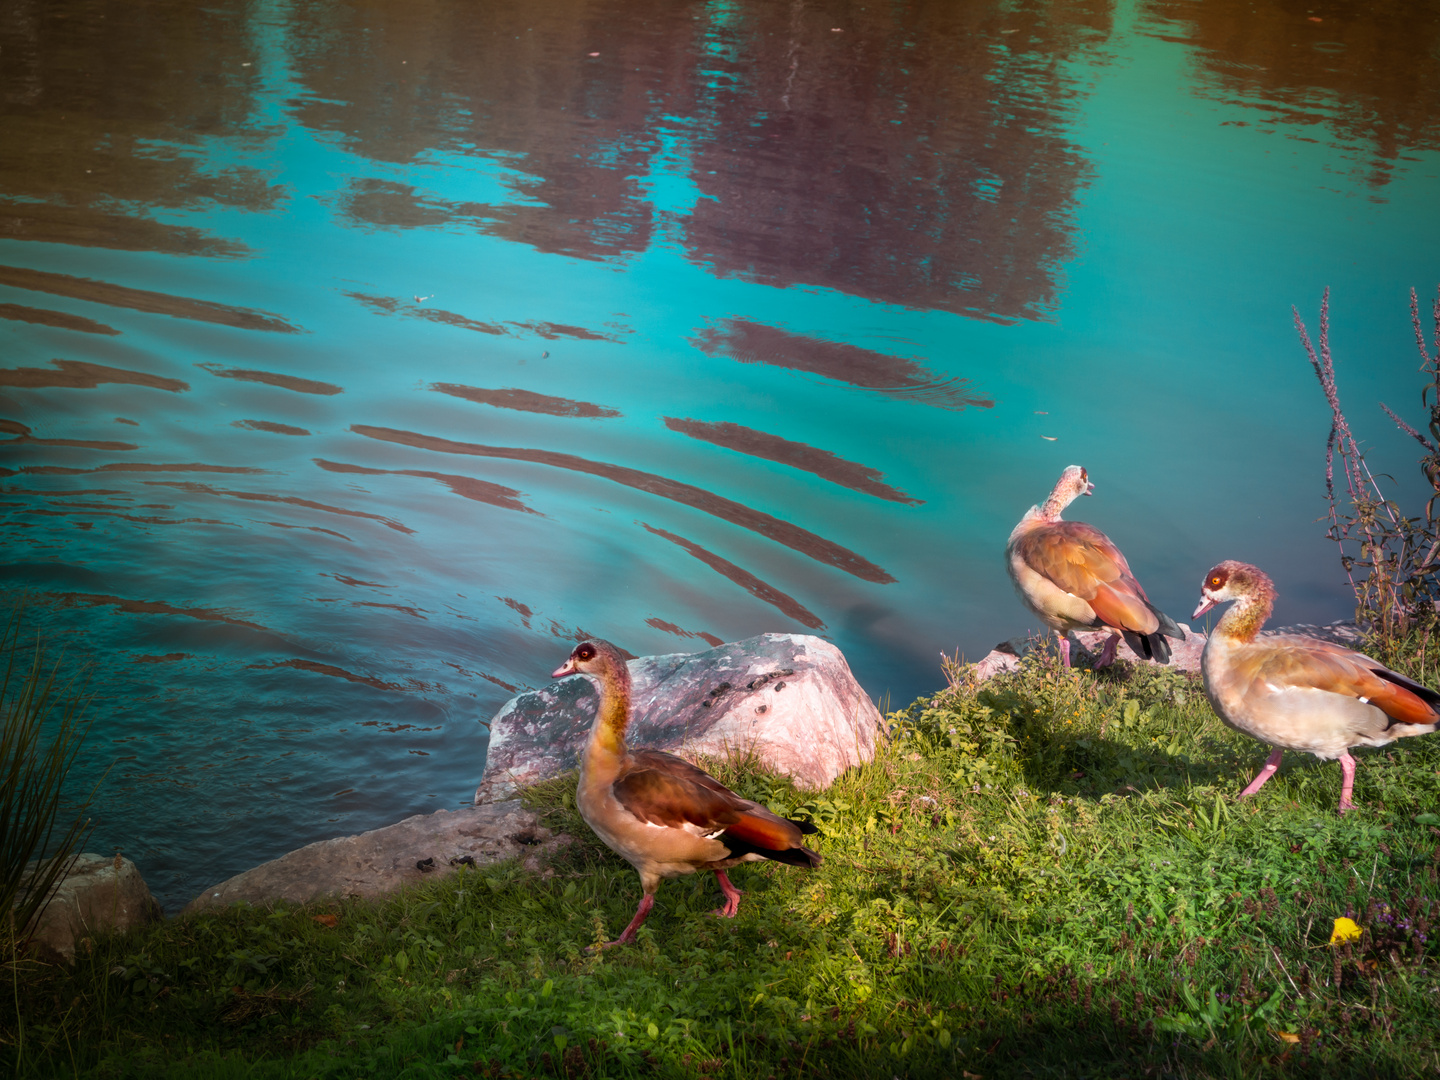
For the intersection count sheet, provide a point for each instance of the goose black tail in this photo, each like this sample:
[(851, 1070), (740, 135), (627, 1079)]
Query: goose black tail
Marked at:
[(1150, 646), (796, 856)]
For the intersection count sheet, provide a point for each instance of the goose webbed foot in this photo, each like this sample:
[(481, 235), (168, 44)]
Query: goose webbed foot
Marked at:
[(732, 897)]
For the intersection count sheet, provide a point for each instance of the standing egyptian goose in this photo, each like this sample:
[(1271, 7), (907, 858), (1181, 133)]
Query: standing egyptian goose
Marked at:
[(658, 812), (1073, 576), (1300, 693)]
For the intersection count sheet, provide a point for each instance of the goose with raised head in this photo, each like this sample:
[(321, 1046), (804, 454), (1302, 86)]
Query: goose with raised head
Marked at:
[(1300, 693), (659, 813), (1074, 578)]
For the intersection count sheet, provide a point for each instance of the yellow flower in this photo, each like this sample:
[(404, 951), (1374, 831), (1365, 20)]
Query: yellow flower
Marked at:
[(1345, 930)]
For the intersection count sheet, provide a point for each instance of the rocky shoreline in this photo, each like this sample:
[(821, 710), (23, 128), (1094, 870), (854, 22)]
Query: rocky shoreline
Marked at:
[(788, 699)]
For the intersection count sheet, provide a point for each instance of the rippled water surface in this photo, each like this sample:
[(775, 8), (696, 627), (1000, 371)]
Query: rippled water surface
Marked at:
[(355, 358)]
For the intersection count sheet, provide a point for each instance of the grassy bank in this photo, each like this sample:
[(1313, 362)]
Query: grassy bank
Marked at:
[(1046, 876)]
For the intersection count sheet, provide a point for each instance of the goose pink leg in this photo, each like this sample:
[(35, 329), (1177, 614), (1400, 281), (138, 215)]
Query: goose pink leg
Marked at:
[(1347, 766), (1107, 654), (732, 896), (1271, 764), (1064, 649), (628, 934)]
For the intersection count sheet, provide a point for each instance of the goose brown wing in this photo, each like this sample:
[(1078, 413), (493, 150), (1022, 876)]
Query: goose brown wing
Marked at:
[(662, 789), (1083, 561), (1320, 665)]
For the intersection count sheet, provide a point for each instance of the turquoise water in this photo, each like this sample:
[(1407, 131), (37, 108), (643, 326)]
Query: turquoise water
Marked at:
[(356, 359)]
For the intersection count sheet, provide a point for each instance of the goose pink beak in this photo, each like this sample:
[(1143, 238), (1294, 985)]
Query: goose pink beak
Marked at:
[(1205, 605), (567, 668)]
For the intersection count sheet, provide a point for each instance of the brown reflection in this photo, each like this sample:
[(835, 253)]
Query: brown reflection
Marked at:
[(311, 528), (671, 628), (465, 486), (289, 500), (274, 378), (554, 331), (154, 303), (137, 518), (345, 579), (550, 331), (822, 463), (138, 466), (90, 227), (270, 426), (746, 580), (82, 375), (62, 319), (22, 433), (386, 203), (792, 536), (168, 658), (337, 673), (109, 106), (152, 607), (524, 401), (754, 343), (488, 678), (919, 157), (388, 305), (523, 610), (1365, 71)]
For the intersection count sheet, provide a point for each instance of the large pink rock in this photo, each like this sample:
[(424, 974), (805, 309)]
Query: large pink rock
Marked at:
[(789, 698)]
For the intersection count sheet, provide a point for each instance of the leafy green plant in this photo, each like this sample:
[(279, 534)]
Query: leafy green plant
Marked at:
[(41, 731)]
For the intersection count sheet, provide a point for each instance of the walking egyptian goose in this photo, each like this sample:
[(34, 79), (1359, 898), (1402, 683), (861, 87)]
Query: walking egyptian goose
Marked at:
[(1300, 693), (1073, 576), (658, 812)]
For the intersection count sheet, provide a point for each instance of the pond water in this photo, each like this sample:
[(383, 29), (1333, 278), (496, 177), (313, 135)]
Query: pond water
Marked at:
[(355, 359)]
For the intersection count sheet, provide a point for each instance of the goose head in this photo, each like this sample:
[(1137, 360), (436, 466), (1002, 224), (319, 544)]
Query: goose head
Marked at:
[(1073, 483), (1232, 580), (588, 658)]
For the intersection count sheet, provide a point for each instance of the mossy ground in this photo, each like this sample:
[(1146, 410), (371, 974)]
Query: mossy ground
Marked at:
[(1044, 876)]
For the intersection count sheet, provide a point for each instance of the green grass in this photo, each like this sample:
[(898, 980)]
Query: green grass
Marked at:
[(1047, 876)]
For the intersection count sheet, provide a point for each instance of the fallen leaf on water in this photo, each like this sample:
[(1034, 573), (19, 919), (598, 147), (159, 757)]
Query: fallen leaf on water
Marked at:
[(1345, 930)]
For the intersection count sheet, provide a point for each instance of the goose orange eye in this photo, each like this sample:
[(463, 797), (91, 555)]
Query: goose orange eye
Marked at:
[(585, 652), (1215, 582)]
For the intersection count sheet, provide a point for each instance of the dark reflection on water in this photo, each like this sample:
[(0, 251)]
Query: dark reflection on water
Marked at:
[(443, 334), (1362, 74)]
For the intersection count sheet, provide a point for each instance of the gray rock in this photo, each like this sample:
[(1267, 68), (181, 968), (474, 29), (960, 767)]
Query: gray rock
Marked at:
[(789, 698), (1184, 655), (383, 861), (96, 894)]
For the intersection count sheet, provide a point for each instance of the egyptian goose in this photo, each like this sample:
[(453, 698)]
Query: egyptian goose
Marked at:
[(1300, 693), (658, 812), (1074, 577)]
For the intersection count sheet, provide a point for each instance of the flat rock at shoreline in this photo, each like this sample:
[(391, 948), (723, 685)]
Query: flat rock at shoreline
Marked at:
[(788, 698), (1184, 655), (383, 861)]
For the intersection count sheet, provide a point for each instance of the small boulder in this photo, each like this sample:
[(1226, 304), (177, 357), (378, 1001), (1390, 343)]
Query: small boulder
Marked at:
[(789, 698), (382, 861), (96, 894)]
